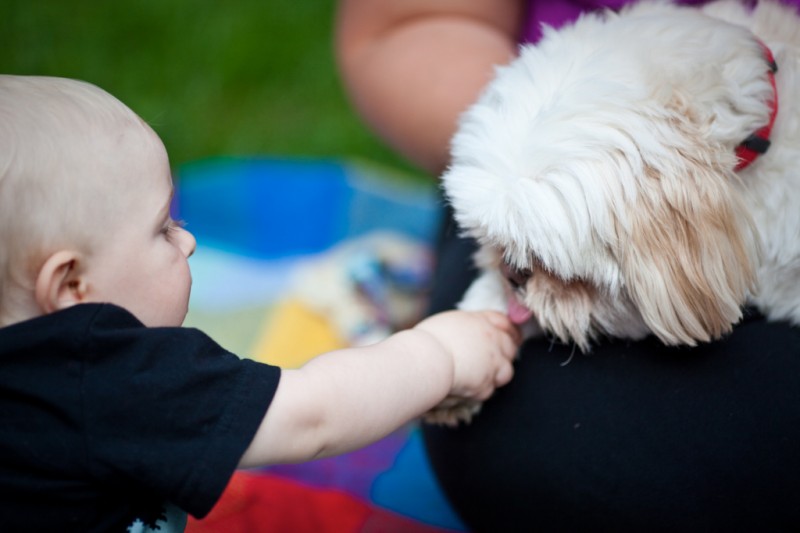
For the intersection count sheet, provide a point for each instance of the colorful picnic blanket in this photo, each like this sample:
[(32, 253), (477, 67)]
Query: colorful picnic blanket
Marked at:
[(297, 257)]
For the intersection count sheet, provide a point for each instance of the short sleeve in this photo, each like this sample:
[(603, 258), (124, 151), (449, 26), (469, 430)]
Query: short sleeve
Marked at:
[(168, 409)]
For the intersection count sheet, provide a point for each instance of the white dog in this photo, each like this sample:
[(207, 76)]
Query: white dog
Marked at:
[(605, 176)]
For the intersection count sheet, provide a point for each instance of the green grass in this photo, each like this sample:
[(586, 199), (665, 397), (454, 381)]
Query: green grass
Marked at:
[(242, 77)]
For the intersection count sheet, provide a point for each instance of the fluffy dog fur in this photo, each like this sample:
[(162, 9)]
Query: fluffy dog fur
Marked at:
[(597, 172)]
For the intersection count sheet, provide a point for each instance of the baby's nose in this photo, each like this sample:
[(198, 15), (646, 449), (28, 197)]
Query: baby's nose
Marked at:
[(188, 243)]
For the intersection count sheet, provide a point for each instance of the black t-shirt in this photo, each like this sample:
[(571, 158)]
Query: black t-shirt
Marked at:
[(634, 436), (105, 420)]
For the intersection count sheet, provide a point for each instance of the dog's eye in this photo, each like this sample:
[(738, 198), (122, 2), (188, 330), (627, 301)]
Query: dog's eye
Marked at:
[(517, 277)]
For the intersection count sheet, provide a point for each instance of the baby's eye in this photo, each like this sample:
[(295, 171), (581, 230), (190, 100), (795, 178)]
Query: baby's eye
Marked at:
[(172, 226)]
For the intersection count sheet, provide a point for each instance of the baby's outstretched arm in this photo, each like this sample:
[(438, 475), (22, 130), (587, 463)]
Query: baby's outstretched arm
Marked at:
[(348, 398)]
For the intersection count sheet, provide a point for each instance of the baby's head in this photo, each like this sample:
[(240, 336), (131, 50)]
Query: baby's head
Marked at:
[(85, 188)]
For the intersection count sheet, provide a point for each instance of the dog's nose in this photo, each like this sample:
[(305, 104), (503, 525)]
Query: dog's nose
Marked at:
[(517, 277)]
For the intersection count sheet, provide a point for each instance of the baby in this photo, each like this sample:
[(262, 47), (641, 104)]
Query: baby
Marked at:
[(114, 415)]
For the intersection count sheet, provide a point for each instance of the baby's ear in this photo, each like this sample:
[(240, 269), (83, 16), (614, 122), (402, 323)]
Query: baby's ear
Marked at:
[(60, 283)]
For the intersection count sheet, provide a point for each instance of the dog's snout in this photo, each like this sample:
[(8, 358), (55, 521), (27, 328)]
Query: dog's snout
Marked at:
[(517, 277)]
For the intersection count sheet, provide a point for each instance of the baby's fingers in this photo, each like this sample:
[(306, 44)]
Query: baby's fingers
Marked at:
[(502, 323), (508, 345), (504, 373)]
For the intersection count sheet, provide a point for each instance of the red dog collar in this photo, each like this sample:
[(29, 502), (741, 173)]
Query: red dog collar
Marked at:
[(758, 142)]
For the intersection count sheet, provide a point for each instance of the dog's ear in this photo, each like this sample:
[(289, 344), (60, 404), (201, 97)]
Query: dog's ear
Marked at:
[(691, 252)]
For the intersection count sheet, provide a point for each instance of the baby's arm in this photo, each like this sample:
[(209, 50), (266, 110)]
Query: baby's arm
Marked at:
[(349, 398)]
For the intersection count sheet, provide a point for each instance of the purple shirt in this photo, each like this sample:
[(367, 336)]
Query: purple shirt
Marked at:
[(557, 12)]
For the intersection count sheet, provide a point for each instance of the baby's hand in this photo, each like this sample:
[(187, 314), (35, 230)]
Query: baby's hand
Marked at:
[(482, 345)]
